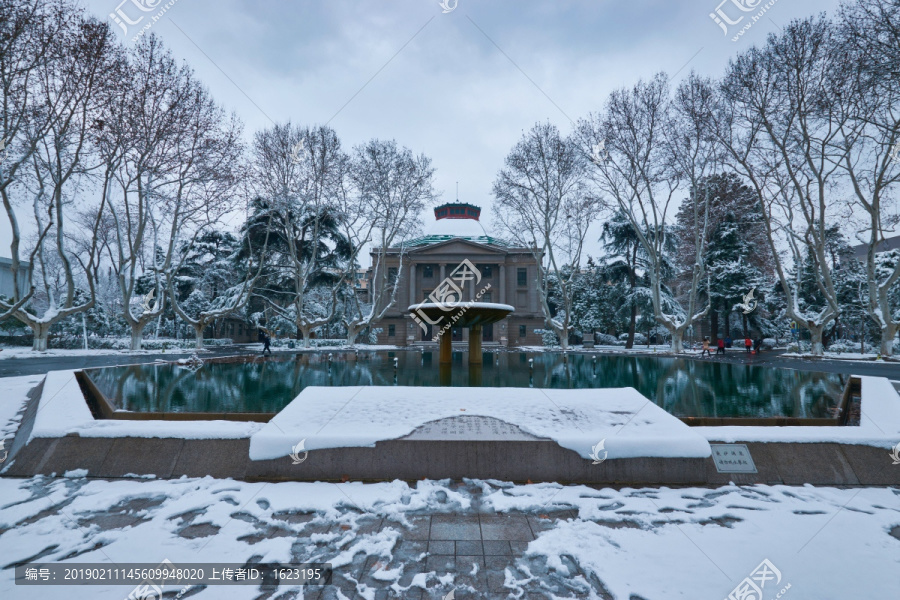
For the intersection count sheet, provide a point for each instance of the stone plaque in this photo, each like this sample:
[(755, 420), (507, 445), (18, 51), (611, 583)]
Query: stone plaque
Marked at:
[(470, 427), (732, 458)]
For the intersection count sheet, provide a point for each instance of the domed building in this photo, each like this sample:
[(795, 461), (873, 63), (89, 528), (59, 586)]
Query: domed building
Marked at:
[(504, 274)]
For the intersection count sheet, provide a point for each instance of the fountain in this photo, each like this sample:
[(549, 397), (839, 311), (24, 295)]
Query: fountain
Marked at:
[(471, 315)]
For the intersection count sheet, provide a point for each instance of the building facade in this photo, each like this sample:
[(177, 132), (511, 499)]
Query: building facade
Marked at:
[(509, 275), (8, 287)]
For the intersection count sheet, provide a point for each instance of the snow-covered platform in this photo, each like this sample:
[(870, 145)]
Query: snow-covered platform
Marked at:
[(612, 436)]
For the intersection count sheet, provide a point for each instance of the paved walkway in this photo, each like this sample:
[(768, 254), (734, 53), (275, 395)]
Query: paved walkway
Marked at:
[(476, 548)]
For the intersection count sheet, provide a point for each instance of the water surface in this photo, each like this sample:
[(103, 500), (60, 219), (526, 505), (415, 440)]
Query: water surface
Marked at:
[(683, 387)]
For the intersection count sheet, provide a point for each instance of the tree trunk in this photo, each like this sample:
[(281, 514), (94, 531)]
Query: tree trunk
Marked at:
[(562, 334), (714, 326), (198, 331), (306, 332), (137, 334), (815, 339), (887, 340), (629, 343), (677, 341), (41, 336), (352, 333)]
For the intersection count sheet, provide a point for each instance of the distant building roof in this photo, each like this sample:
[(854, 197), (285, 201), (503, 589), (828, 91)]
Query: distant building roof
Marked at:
[(457, 220), (8, 261), (886, 245)]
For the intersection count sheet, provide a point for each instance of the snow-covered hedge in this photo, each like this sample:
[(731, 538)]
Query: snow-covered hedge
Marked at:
[(768, 343), (841, 346), (75, 342), (548, 337), (639, 338), (313, 343), (604, 339)]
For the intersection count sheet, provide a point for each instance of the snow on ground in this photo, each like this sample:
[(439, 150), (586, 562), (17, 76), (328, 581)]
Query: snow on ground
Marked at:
[(652, 544), (12, 400), (638, 349), (25, 352), (852, 356)]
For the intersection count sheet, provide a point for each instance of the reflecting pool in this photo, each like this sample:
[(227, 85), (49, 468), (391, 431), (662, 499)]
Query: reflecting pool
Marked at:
[(683, 387)]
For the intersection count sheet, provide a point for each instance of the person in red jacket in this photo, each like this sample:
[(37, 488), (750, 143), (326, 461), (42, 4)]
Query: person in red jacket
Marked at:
[(720, 346), (748, 343)]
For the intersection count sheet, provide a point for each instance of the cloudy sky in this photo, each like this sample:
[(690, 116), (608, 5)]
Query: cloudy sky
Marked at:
[(460, 86)]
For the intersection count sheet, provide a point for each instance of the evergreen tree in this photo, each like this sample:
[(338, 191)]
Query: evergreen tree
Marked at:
[(737, 249)]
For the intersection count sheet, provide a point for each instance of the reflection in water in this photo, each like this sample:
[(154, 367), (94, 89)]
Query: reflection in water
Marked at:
[(683, 387)]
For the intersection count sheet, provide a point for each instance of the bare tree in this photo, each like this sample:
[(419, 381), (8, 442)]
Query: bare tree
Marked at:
[(778, 125), (28, 41), (201, 189), (869, 39), (543, 203), (71, 87), (139, 147), (298, 174), (390, 187), (650, 147)]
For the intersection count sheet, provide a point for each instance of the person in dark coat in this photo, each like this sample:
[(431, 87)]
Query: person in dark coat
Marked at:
[(266, 340), (757, 345)]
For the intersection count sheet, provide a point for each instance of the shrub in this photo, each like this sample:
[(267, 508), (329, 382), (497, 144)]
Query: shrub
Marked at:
[(76, 342), (607, 340), (639, 338), (549, 338)]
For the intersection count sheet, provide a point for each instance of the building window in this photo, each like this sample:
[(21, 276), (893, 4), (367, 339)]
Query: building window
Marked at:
[(486, 297), (392, 274), (487, 271), (428, 271), (521, 276), (392, 330), (522, 331), (425, 294)]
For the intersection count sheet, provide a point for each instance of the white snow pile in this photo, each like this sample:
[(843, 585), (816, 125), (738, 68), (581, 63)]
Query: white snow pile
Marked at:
[(12, 403), (653, 544), (360, 416)]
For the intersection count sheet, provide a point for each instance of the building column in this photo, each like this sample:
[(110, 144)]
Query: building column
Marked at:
[(502, 293), (475, 334), (412, 285), (446, 345), (443, 270)]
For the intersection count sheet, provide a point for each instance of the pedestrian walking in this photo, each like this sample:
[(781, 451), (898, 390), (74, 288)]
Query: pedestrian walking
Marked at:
[(748, 344), (720, 346), (266, 340), (757, 345), (728, 343), (705, 348)]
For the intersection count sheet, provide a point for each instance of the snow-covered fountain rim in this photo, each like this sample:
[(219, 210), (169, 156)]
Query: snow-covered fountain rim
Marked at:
[(384, 356), (70, 415)]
